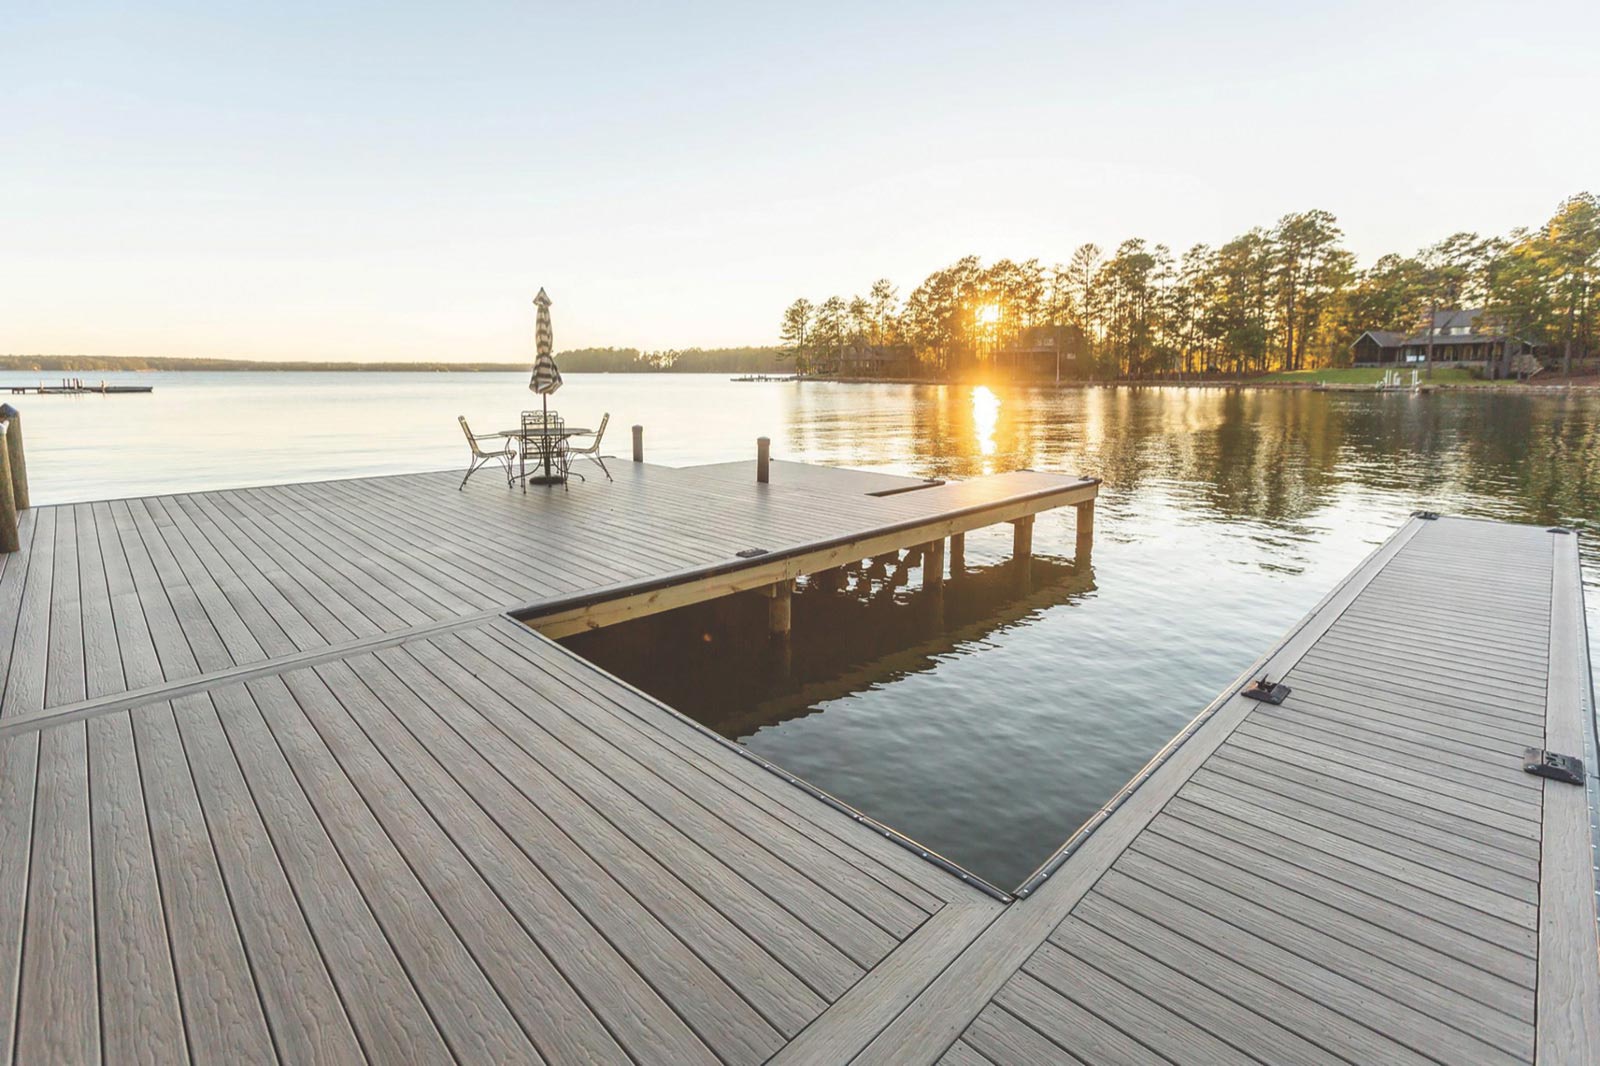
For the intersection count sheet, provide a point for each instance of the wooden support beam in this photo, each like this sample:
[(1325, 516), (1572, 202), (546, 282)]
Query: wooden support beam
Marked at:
[(623, 605), (1085, 547), (958, 554), (638, 444), (933, 565), (1022, 537), (779, 614), (763, 459)]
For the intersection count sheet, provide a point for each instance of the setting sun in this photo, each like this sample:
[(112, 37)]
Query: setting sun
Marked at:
[(988, 314)]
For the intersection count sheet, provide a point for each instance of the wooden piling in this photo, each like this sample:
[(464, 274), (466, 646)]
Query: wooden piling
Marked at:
[(958, 554), (19, 463), (933, 565), (779, 614), (638, 444), (763, 458), (1085, 547), (9, 541), (1022, 538)]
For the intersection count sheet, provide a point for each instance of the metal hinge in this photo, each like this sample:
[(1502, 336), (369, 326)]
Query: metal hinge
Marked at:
[(1557, 767)]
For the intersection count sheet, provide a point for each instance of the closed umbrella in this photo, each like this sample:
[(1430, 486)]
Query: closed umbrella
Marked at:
[(546, 375)]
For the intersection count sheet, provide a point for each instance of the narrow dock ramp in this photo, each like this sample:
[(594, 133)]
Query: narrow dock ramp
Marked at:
[(1364, 873)]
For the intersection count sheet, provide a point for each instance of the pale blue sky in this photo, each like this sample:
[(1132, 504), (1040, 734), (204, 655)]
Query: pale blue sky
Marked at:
[(396, 180)]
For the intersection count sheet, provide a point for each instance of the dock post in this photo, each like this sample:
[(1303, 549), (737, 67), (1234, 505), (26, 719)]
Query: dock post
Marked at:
[(933, 566), (19, 463), (9, 541), (779, 613), (638, 444), (1022, 537), (958, 554), (1085, 548), (763, 458)]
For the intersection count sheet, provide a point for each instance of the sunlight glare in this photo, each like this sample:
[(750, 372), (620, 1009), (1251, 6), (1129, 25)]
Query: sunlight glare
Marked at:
[(985, 415)]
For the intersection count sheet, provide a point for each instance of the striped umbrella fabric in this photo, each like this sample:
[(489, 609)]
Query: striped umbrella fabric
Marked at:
[(546, 376)]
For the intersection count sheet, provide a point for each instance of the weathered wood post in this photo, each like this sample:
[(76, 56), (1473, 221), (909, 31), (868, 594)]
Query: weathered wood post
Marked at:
[(638, 444), (958, 554), (9, 541), (1022, 538), (19, 463), (933, 566), (779, 614), (763, 459), (1085, 548)]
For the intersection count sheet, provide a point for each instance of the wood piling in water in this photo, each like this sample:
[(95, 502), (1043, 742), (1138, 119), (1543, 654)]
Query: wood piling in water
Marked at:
[(1085, 546), (9, 541), (638, 444), (763, 459), (19, 463)]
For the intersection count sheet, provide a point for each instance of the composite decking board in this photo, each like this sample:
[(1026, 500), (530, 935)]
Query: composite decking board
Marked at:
[(317, 588), (1164, 1007), (102, 652), (1512, 694), (25, 679), (222, 1014), (12, 582), (1424, 818), (1341, 809), (565, 886), (963, 1054), (1390, 913), (278, 629), (390, 915), (755, 971), (59, 974), (1400, 744), (1283, 890), (290, 585), (1569, 965), (1349, 826), (1326, 950), (306, 1016), (215, 635), (143, 1021), (774, 864), (66, 670), (886, 862), (687, 746), (168, 641)]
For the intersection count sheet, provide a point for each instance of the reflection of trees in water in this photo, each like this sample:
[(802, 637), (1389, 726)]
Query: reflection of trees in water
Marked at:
[(715, 662), (1270, 456)]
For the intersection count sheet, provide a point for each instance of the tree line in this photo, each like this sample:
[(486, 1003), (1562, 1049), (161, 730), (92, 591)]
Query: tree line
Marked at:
[(757, 360), (1285, 297)]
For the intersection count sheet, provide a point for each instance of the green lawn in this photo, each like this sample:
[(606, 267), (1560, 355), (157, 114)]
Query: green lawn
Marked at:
[(1371, 376)]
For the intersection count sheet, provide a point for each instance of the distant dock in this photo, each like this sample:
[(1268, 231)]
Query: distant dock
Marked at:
[(284, 777), (74, 387)]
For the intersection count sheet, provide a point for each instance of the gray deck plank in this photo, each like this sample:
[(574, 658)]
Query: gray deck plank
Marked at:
[(565, 823), (143, 1021), (25, 678), (557, 890), (60, 978), (19, 760), (362, 836), (222, 1012), (304, 1011)]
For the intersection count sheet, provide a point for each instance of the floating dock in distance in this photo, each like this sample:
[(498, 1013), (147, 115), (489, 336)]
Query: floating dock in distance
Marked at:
[(281, 780)]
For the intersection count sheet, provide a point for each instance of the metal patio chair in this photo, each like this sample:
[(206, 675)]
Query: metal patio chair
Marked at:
[(591, 450), (504, 451), (544, 433)]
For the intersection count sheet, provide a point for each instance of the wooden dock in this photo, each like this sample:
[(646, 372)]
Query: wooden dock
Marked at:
[(283, 779)]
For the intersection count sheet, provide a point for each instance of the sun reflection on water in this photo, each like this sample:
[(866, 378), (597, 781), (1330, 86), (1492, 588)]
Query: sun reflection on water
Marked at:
[(985, 415)]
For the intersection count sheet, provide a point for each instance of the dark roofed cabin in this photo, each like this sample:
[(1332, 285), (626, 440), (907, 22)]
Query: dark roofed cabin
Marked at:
[(1458, 339)]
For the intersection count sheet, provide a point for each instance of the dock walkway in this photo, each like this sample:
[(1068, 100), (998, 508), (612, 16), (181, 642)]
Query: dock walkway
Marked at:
[(284, 781)]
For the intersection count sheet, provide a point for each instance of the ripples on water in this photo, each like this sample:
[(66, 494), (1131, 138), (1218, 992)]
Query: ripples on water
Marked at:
[(1225, 516)]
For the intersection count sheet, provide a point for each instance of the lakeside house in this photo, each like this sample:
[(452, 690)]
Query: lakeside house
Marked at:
[(1046, 351), (1460, 337), (875, 361)]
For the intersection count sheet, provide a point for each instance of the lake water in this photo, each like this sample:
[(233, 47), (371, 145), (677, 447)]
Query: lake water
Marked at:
[(1225, 516)]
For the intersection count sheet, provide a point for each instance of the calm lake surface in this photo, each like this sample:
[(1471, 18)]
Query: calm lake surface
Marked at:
[(992, 734)]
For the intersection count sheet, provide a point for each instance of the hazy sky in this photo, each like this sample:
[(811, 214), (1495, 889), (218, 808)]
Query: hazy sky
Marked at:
[(396, 180)]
